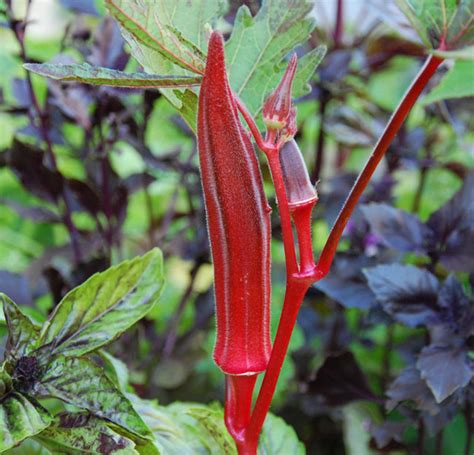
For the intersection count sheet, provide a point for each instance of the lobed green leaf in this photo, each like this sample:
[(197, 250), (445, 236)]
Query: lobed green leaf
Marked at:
[(450, 22), (457, 83), (257, 46), (169, 37)]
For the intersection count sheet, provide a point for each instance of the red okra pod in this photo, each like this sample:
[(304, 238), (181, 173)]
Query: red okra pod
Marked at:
[(238, 219)]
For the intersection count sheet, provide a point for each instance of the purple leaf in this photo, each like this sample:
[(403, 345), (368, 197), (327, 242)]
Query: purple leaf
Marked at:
[(409, 386), (397, 229), (407, 293), (340, 381), (445, 369)]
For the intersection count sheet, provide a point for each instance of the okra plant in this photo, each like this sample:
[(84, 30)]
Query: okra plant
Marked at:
[(240, 120)]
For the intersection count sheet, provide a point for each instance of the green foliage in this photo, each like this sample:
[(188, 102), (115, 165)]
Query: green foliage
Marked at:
[(20, 418), (23, 334), (278, 438), (76, 433), (154, 26), (441, 21), (186, 428), (80, 382), (457, 83), (51, 363), (258, 44), (168, 38), (99, 310), (54, 364), (88, 74), (190, 428), (64, 361)]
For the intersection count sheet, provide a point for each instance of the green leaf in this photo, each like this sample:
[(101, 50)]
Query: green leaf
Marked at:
[(258, 44), (190, 428), (23, 334), (76, 433), (30, 447), (164, 38), (278, 438), (94, 75), (20, 418), (108, 303), (116, 370), (80, 382), (186, 428), (5, 380), (148, 21), (457, 83), (437, 21)]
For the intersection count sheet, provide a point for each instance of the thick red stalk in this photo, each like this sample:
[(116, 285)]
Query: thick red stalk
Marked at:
[(394, 124), (238, 406)]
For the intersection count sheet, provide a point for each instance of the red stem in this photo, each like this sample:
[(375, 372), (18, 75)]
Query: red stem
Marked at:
[(302, 219), (339, 24), (238, 406), (295, 292), (299, 282), (44, 131), (394, 124), (251, 124), (283, 209)]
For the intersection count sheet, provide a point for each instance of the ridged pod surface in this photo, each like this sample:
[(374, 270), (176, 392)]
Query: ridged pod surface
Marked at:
[(238, 219)]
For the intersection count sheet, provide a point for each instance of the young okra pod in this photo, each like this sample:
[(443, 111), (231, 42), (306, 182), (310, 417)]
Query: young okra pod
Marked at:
[(238, 220)]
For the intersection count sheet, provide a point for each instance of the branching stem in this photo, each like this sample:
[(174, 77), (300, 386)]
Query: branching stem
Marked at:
[(394, 124), (300, 278)]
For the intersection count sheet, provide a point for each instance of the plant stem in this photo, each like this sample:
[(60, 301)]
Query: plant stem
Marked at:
[(104, 168), (302, 220), (419, 190), (338, 27), (439, 443), (44, 131), (421, 437), (297, 285), (283, 209), (394, 124), (294, 295), (424, 168), (238, 406), (385, 376), (468, 415)]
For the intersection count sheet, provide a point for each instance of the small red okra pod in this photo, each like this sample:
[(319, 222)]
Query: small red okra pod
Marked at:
[(278, 105), (302, 197), (299, 189), (238, 219)]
